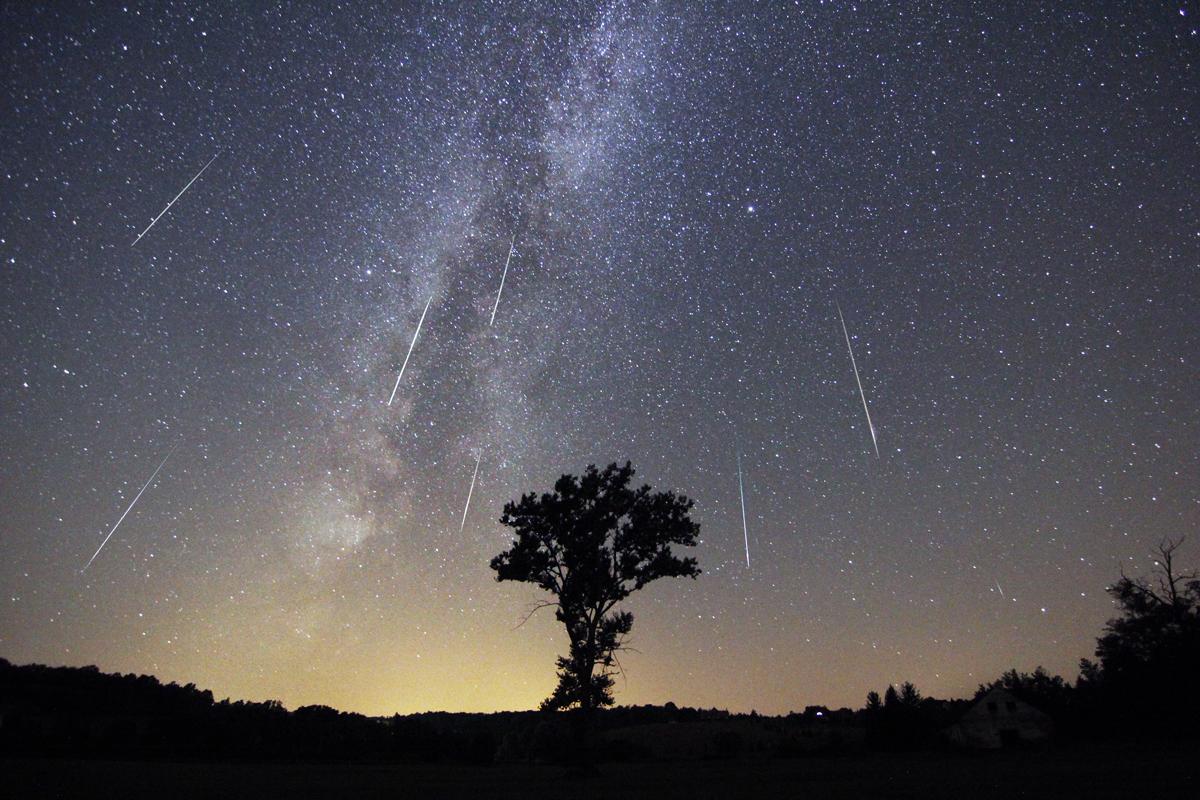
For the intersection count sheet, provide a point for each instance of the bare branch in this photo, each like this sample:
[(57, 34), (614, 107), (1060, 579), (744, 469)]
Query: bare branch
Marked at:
[(536, 608)]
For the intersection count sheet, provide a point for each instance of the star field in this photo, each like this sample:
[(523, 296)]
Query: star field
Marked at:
[(1003, 203)]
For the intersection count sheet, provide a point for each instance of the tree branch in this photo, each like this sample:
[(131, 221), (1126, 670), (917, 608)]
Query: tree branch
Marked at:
[(536, 608)]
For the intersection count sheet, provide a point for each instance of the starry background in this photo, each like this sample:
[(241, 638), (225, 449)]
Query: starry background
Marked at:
[(1003, 204)]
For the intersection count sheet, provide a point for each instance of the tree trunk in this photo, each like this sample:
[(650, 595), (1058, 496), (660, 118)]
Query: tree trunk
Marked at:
[(587, 708)]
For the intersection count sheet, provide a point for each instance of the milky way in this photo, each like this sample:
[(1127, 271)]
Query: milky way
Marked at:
[(1009, 198)]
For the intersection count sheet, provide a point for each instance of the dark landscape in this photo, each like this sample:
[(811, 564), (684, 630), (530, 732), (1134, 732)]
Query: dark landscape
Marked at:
[(1113, 771)]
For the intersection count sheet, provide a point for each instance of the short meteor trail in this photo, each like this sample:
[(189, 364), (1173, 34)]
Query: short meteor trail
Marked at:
[(511, 246), (131, 505), (410, 349), (467, 507), (858, 380), (742, 496), (1001, 590), (181, 191)]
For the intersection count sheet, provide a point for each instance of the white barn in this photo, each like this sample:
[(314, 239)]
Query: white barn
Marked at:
[(1000, 719)]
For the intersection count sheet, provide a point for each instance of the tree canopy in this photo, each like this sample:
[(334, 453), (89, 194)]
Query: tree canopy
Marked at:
[(1150, 654), (590, 543)]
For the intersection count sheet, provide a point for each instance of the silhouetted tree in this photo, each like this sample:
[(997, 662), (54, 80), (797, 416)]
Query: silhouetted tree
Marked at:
[(591, 543), (1049, 693), (1027, 685), (1150, 655), (904, 720)]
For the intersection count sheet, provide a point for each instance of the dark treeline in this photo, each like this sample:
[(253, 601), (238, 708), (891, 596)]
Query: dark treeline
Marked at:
[(66, 711), (1142, 684), (81, 711), (902, 719)]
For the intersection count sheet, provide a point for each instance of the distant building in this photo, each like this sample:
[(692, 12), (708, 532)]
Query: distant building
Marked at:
[(1000, 719)]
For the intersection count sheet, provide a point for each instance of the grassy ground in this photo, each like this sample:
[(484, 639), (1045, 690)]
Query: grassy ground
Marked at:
[(1091, 772)]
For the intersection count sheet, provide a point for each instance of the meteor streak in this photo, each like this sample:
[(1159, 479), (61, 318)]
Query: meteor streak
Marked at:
[(470, 492), (858, 380), (511, 246), (131, 505), (742, 496), (1001, 590), (410, 349), (181, 191)]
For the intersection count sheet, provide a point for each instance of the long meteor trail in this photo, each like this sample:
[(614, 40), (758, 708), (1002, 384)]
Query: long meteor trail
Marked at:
[(181, 191), (410, 349), (467, 507), (131, 505), (511, 246), (742, 496), (858, 380)]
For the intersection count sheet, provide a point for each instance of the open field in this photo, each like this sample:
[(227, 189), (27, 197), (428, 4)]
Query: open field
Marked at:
[(1093, 772)]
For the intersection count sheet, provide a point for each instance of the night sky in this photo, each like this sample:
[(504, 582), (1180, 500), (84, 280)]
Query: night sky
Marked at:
[(1003, 204)]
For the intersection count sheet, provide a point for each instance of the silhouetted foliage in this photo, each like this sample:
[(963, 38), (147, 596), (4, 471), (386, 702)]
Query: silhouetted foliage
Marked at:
[(591, 543), (1045, 692), (905, 720), (71, 711), (1150, 655)]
